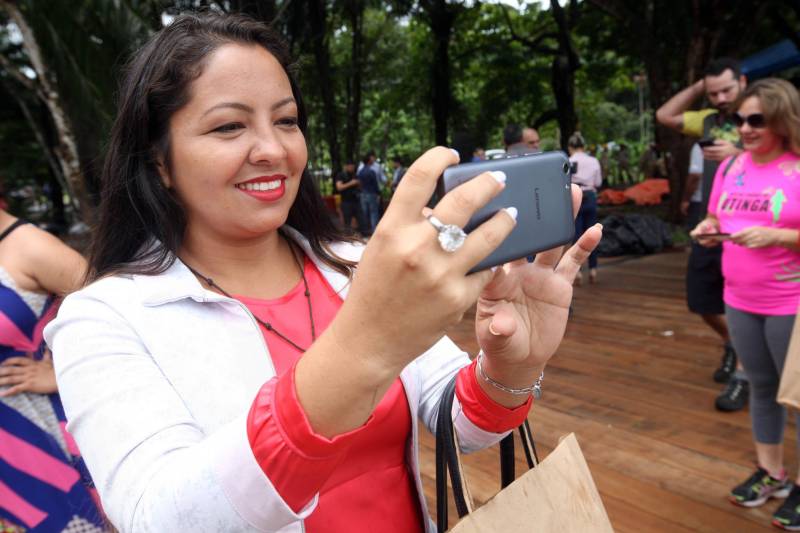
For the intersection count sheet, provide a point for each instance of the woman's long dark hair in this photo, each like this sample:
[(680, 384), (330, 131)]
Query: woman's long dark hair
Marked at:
[(135, 206)]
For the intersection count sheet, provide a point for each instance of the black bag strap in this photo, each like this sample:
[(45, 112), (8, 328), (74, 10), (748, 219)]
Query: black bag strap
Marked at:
[(12, 227), (729, 165), (447, 459)]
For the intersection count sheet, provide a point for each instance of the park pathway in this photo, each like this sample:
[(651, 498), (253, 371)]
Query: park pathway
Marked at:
[(632, 380)]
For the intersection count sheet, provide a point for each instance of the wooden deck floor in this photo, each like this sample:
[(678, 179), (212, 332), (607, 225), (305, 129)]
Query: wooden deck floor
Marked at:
[(632, 380)]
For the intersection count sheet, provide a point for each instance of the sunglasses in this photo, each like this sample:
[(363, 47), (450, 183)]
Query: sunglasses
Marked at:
[(756, 120)]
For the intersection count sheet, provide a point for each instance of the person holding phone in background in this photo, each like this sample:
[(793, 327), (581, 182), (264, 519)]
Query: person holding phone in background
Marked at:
[(236, 363), (589, 178), (721, 84), (756, 200)]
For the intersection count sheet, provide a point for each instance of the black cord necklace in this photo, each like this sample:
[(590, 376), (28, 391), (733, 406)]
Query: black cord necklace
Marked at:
[(269, 327)]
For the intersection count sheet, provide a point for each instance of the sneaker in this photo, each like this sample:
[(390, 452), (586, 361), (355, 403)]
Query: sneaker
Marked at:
[(758, 488), (727, 366), (788, 514), (734, 396)]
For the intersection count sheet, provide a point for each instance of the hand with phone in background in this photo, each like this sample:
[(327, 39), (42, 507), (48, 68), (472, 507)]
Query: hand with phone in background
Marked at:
[(717, 149), (707, 233)]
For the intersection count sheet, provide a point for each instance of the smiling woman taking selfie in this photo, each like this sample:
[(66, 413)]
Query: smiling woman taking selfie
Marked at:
[(236, 364), (756, 200)]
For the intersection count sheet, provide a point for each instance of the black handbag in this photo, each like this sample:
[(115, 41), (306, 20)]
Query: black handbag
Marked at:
[(448, 460)]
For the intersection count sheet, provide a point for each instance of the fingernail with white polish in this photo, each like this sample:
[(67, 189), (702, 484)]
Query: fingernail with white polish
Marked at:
[(512, 212), (498, 175), (493, 269), (456, 152)]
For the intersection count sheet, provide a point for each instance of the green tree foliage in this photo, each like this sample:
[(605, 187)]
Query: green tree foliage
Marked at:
[(373, 71)]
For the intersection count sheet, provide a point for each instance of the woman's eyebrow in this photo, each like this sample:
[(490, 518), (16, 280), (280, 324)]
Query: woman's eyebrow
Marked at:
[(281, 103), (234, 105), (247, 108)]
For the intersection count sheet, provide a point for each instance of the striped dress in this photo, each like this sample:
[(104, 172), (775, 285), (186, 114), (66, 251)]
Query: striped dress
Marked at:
[(44, 486)]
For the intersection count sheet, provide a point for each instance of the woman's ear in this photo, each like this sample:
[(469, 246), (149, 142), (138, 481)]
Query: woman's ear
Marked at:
[(163, 172)]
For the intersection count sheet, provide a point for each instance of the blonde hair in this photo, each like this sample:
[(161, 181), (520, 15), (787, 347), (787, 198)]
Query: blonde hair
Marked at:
[(780, 104)]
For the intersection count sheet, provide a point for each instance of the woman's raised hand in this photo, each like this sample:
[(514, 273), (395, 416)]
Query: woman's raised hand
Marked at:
[(407, 289), (522, 313)]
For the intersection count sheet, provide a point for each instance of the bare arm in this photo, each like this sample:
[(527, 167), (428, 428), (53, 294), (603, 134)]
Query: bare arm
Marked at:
[(56, 268), (670, 114), (692, 181)]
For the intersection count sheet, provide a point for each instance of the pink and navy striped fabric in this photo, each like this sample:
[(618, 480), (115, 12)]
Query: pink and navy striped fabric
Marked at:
[(44, 486)]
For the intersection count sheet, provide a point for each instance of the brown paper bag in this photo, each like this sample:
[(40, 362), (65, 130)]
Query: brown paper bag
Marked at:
[(558, 495), (789, 390)]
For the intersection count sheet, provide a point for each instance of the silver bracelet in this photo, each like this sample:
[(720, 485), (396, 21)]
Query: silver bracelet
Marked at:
[(536, 388)]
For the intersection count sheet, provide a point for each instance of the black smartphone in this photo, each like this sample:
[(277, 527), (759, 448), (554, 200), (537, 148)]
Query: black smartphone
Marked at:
[(723, 236), (538, 185), (573, 167), (705, 143)]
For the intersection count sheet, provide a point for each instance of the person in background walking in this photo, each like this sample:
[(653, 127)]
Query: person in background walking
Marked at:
[(588, 177), (370, 194), (755, 200), (347, 185), (398, 171)]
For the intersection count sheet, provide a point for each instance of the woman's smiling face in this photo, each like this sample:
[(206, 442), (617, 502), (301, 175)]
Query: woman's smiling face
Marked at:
[(757, 140), (236, 151)]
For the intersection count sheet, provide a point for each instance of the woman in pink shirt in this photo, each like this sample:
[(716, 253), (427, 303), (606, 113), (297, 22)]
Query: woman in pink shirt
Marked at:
[(236, 363), (754, 209)]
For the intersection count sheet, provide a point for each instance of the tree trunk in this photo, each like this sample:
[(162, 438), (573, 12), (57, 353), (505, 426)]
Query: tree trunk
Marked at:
[(317, 20), (441, 18), (355, 9), (67, 149), (564, 65)]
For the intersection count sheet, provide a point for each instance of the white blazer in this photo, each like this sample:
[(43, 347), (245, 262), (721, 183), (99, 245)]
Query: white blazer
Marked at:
[(157, 375)]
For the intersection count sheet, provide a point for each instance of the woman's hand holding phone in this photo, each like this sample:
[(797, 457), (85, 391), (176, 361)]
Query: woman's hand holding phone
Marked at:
[(522, 313), (407, 290), (707, 233)]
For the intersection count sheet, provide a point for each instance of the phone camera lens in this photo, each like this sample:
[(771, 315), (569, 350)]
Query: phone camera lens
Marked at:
[(565, 168)]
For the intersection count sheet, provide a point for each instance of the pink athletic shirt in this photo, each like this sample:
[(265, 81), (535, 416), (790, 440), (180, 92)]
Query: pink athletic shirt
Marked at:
[(362, 476), (764, 281)]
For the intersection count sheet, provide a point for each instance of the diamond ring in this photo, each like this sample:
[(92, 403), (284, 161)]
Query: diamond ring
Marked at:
[(451, 237)]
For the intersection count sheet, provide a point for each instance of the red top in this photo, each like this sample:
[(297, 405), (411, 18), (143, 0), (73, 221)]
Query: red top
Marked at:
[(362, 476)]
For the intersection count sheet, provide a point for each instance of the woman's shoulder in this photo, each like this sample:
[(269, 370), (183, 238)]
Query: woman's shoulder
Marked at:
[(113, 287)]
